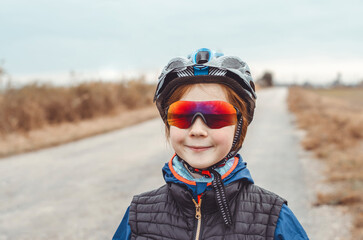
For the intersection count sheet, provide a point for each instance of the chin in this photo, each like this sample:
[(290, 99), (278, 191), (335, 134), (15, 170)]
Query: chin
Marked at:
[(200, 163)]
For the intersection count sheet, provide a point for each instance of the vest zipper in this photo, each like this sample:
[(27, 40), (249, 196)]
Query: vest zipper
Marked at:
[(198, 216)]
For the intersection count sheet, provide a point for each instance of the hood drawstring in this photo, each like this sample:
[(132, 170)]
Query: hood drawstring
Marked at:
[(221, 198)]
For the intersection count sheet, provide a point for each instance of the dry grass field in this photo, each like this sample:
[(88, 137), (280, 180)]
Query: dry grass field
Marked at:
[(37, 116), (333, 120), (351, 95), (34, 106)]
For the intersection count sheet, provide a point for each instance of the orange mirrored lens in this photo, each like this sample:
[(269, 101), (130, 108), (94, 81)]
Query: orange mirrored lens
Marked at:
[(216, 114)]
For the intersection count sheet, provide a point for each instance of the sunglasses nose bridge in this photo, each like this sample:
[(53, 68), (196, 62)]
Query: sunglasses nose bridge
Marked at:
[(198, 114)]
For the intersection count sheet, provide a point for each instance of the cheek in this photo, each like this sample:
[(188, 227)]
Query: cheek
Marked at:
[(224, 136), (177, 135)]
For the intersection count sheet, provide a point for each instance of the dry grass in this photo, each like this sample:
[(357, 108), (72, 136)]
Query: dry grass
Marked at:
[(35, 106), (334, 132), (52, 135), (38, 116), (352, 95)]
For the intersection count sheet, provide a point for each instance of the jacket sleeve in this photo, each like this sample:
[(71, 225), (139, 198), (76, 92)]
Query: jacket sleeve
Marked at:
[(123, 231), (288, 227)]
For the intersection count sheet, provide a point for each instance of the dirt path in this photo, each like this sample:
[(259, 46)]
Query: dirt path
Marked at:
[(81, 190)]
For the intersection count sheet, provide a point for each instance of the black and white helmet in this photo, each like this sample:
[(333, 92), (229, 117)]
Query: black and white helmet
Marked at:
[(206, 66)]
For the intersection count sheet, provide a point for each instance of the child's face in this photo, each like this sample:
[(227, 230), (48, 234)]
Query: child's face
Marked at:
[(199, 145)]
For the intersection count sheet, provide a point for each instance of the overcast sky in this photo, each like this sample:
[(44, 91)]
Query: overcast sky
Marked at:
[(296, 40)]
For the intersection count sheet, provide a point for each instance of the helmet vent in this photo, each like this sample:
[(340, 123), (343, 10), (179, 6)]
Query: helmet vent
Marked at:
[(232, 62), (176, 63), (252, 85)]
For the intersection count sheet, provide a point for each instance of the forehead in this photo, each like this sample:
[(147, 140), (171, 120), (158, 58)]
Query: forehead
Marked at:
[(205, 92)]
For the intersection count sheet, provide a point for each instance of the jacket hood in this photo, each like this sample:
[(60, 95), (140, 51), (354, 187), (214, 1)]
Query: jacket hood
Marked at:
[(234, 169)]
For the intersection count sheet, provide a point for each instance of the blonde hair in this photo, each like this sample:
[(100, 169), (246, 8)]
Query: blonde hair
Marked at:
[(232, 98)]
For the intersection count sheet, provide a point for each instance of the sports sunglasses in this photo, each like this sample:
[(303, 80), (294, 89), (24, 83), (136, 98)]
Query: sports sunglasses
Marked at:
[(216, 114)]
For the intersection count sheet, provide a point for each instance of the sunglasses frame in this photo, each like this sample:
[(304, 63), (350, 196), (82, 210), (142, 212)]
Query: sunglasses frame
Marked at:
[(199, 114)]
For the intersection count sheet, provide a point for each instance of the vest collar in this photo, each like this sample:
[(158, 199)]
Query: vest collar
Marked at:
[(182, 174), (237, 171), (183, 197)]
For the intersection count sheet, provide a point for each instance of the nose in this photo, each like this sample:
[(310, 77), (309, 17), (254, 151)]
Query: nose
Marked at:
[(198, 128)]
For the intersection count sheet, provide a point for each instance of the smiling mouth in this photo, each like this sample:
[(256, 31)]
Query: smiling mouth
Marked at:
[(198, 148)]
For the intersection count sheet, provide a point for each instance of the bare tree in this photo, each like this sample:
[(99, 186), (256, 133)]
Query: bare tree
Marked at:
[(266, 80)]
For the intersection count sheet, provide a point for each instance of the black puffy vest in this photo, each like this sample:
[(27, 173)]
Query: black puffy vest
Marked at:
[(169, 213)]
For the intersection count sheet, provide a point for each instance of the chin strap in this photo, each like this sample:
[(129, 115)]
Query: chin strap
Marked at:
[(233, 152)]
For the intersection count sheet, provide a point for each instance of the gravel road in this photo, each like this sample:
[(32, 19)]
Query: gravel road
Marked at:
[(80, 190)]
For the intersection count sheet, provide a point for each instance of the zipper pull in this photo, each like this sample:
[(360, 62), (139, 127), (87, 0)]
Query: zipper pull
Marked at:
[(198, 212)]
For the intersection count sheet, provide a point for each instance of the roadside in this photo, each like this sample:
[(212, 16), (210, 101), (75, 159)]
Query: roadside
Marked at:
[(56, 134), (37, 116), (278, 163), (332, 133)]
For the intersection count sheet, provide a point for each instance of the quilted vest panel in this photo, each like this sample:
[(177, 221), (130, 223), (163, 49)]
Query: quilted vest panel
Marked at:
[(169, 213)]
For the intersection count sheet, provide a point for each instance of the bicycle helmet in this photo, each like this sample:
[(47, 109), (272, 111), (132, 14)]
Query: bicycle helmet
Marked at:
[(206, 66)]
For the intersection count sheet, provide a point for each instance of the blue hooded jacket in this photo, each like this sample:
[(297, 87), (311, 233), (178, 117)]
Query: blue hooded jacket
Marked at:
[(288, 227)]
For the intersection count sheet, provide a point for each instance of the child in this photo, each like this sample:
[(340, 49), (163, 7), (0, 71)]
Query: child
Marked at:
[(207, 102)]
